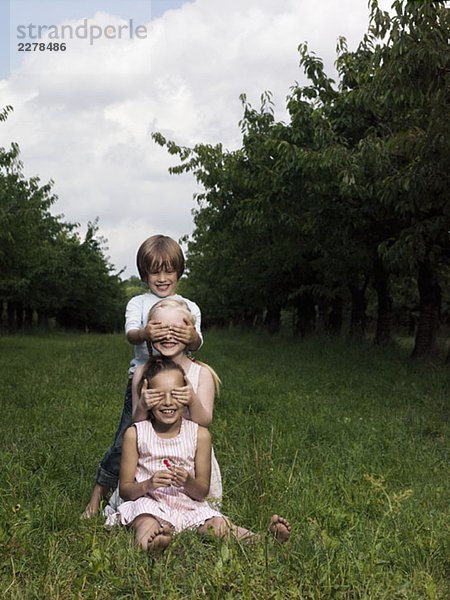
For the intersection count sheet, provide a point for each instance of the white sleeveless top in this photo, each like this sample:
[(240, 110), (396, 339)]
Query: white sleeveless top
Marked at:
[(215, 485), (194, 375)]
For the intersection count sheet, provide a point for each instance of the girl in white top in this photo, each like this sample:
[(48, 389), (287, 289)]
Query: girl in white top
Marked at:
[(198, 393), (165, 470)]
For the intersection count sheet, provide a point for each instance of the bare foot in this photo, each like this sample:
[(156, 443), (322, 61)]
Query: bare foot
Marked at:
[(159, 540), (280, 528), (93, 506)]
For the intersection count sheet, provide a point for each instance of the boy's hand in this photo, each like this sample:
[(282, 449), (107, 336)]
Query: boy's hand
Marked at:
[(149, 397), (185, 334), (184, 395), (180, 476), (155, 331)]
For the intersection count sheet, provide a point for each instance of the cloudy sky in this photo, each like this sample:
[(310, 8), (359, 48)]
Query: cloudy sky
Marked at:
[(83, 117)]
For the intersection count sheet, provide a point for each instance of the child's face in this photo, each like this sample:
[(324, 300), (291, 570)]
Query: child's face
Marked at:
[(162, 282), (167, 411), (169, 315)]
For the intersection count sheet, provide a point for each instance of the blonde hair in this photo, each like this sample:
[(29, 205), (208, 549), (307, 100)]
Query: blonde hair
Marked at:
[(159, 252), (184, 308)]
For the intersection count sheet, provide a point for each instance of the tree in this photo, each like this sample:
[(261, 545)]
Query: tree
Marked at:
[(45, 270), (351, 193), (25, 228), (95, 298), (411, 85)]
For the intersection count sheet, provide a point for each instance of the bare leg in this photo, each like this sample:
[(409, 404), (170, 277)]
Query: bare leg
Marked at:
[(279, 527), (221, 527), (93, 506), (150, 534)]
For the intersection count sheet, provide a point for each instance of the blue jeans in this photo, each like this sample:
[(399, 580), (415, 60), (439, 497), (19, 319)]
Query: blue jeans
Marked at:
[(109, 467)]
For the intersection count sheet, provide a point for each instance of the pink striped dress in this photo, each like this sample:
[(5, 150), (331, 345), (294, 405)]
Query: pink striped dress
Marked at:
[(169, 505), (215, 487)]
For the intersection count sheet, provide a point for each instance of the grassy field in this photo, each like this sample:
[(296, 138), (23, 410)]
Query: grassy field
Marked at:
[(349, 443)]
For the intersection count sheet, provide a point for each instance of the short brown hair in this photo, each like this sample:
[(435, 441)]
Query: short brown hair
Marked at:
[(159, 252)]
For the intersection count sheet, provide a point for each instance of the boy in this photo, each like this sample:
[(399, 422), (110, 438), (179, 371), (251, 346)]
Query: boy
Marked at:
[(160, 263)]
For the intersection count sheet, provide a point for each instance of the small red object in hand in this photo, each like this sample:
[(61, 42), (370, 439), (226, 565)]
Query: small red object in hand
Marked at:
[(167, 464)]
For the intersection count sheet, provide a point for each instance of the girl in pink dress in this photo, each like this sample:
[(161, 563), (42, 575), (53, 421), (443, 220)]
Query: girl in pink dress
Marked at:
[(166, 467)]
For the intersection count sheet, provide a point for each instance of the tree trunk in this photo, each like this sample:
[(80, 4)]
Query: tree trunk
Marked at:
[(305, 315), (258, 320), (358, 318), (28, 321), (335, 318), (272, 320), (430, 305), (42, 320), (11, 316), (323, 306), (384, 309), (411, 325), (19, 316), (247, 320)]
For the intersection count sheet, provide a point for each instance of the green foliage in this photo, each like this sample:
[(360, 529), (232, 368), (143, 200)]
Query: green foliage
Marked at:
[(134, 287), (352, 191), (95, 298), (45, 268), (349, 443)]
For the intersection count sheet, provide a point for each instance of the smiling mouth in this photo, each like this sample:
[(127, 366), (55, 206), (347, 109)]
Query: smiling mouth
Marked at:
[(168, 411)]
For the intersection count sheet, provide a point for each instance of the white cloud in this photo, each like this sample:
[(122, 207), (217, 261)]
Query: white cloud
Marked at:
[(84, 117)]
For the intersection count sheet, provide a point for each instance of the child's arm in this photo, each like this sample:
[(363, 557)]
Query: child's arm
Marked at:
[(129, 489), (153, 331), (139, 413), (137, 333), (197, 487), (144, 400), (200, 404), (187, 334)]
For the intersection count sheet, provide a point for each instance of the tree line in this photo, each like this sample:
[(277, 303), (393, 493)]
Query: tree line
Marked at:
[(47, 272), (343, 210)]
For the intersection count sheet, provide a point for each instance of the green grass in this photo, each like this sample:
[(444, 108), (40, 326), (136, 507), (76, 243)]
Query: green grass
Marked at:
[(349, 443)]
